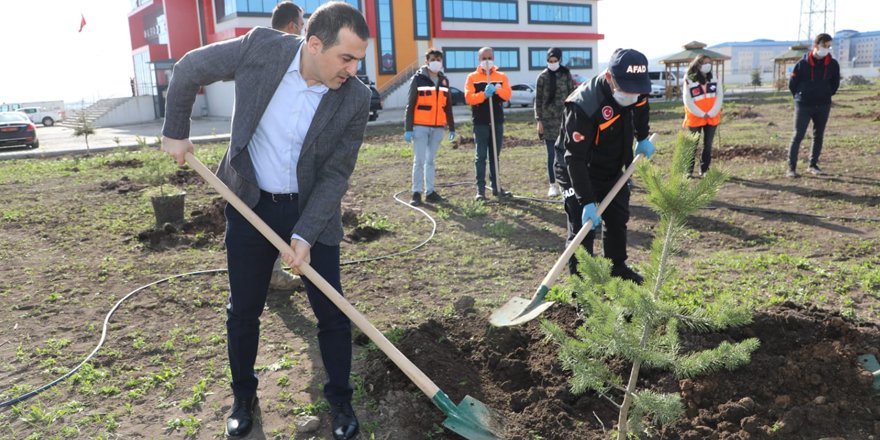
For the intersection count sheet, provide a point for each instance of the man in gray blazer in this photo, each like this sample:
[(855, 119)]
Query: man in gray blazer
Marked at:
[(291, 165)]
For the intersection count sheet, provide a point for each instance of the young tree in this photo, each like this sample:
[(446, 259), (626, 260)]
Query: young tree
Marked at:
[(756, 78), (84, 128), (640, 324)]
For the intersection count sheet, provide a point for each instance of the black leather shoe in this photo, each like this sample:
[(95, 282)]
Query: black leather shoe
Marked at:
[(416, 199), (241, 420), (345, 424), (501, 193), (624, 271)]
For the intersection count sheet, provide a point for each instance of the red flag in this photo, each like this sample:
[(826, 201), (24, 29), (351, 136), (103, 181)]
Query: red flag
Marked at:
[(82, 22)]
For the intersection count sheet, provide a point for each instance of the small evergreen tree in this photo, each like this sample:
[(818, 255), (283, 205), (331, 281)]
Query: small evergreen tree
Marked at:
[(84, 128), (756, 78), (640, 324)]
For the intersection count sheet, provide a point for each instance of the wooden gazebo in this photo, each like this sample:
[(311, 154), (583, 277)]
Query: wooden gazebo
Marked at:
[(781, 63), (679, 62)]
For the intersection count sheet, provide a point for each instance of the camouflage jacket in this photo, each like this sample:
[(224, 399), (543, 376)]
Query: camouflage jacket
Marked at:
[(550, 114)]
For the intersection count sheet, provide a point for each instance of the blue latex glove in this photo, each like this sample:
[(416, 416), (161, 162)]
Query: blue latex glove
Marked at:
[(645, 147), (407, 136), (451, 136), (490, 90), (589, 213)]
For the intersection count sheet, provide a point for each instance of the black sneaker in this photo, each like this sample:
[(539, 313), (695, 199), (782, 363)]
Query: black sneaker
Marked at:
[(416, 199), (433, 197), (816, 171), (624, 272), (481, 194), (501, 193), (345, 423)]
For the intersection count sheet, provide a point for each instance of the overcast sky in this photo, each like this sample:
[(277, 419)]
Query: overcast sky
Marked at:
[(45, 58)]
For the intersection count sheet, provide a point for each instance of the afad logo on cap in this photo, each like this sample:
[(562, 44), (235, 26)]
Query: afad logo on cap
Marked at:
[(636, 68)]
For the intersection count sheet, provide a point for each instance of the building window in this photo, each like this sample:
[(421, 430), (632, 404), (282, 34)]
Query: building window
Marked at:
[(309, 6), (571, 58), (264, 7), (420, 25), (464, 59), (385, 37), (560, 13), (143, 74), (498, 11)]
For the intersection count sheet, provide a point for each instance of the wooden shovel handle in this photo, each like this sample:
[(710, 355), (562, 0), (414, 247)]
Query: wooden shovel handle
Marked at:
[(417, 376), (585, 229)]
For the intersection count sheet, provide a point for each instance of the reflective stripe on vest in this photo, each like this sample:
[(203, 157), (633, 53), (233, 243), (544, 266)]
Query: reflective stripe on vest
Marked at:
[(430, 106)]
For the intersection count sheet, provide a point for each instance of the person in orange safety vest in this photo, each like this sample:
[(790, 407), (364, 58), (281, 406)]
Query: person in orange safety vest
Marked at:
[(702, 96), (482, 86), (428, 113)]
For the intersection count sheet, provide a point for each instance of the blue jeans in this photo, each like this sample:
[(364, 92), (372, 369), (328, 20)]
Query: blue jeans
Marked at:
[(250, 258), (426, 142), (483, 141), (551, 155), (803, 114)]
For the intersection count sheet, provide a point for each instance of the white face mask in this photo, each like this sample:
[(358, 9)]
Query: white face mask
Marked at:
[(706, 68), (821, 52), (625, 99), (487, 65), (435, 66), (553, 66)]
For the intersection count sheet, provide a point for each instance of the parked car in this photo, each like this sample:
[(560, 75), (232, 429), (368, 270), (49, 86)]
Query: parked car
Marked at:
[(40, 115), (523, 94), (457, 96), (375, 99), (16, 129), (660, 77), (657, 91)]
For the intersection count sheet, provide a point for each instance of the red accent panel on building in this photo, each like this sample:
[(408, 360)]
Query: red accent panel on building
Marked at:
[(208, 6), (370, 16), (438, 32), (227, 34), (183, 34)]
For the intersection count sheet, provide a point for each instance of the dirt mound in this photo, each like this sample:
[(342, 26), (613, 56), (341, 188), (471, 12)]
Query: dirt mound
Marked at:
[(745, 113), (122, 186), (205, 226), (803, 383), (750, 152), (185, 177), (128, 163)]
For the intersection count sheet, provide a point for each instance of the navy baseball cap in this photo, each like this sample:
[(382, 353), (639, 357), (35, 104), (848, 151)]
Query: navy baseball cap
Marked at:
[(629, 68)]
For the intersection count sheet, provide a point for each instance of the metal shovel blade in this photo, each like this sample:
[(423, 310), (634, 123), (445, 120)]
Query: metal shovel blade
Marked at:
[(869, 361), (471, 419), (518, 311)]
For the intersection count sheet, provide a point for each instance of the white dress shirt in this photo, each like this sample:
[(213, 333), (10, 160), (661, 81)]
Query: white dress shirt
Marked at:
[(275, 146)]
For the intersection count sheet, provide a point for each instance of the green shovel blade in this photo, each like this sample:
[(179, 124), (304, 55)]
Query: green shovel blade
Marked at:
[(471, 418)]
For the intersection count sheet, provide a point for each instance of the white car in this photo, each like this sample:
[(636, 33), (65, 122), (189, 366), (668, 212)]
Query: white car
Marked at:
[(40, 115), (523, 94), (657, 91)]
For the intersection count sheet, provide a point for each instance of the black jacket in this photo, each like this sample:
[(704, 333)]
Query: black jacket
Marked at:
[(596, 139), (814, 81)]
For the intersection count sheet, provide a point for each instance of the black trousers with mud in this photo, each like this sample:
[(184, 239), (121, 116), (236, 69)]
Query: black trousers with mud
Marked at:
[(614, 219)]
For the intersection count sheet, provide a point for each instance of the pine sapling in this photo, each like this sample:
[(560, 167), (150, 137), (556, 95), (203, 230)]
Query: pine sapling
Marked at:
[(640, 324), (84, 128)]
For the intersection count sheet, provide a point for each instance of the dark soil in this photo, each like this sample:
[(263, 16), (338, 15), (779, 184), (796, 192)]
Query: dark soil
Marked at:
[(745, 113), (749, 151), (128, 163), (122, 186), (804, 382)]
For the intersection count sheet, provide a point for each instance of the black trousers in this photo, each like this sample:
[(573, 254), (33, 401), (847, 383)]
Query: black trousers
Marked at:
[(707, 133), (250, 258), (803, 114), (614, 219)]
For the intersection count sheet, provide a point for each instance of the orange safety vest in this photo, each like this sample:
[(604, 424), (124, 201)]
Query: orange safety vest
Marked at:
[(703, 97), (430, 108)]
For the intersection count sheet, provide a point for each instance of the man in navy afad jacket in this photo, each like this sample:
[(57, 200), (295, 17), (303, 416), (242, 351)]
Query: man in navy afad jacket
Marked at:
[(813, 81)]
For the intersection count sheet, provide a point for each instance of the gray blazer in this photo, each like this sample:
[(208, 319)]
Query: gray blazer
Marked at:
[(257, 61)]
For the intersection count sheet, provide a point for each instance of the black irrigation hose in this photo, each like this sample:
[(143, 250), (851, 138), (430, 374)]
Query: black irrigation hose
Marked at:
[(28, 395)]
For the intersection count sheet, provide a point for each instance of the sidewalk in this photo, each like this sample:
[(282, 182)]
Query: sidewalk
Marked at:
[(58, 141)]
